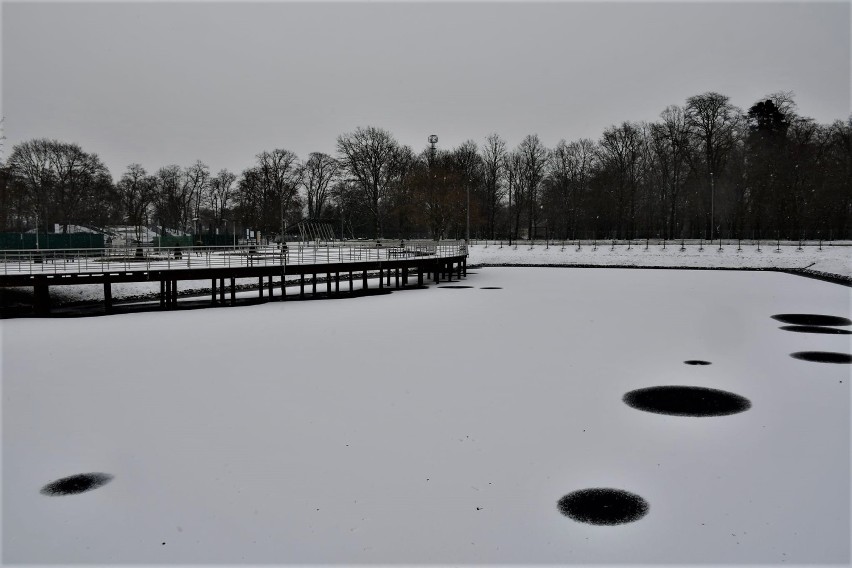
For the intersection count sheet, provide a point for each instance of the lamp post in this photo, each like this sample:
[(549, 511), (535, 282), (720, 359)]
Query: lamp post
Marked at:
[(467, 221), (433, 140)]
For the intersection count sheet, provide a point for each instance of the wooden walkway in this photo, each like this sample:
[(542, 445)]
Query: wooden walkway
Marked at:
[(402, 264)]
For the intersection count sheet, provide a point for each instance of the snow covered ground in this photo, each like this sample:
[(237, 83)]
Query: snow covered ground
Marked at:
[(831, 260), (434, 426)]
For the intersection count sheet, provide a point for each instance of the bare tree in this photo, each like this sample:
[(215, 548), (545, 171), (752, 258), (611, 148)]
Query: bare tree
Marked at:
[(372, 157), (317, 173), (31, 171), (514, 168), (620, 152), (534, 160), (280, 177), (136, 190), (716, 124), (493, 166), (673, 155), (221, 194), (566, 182), (60, 182)]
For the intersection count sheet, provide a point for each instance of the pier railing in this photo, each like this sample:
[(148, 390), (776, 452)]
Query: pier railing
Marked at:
[(138, 258)]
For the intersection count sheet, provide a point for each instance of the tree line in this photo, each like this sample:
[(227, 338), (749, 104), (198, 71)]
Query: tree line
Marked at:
[(704, 169)]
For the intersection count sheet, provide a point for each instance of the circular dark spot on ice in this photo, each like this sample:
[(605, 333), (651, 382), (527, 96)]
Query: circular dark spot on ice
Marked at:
[(823, 357), (76, 484), (603, 506), (697, 362), (815, 329), (455, 287), (812, 319), (686, 401)]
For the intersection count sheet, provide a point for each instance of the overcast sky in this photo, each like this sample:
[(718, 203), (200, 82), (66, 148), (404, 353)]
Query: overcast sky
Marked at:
[(162, 83)]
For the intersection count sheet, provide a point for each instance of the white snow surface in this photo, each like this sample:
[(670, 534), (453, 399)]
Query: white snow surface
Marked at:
[(434, 426), (835, 260)]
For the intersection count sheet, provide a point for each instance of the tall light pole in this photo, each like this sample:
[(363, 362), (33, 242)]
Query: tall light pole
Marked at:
[(467, 221), (433, 140)]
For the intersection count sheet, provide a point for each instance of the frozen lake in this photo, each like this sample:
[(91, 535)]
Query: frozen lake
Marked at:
[(436, 426)]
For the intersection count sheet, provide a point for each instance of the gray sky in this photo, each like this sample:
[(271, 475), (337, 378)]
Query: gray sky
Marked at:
[(162, 83)]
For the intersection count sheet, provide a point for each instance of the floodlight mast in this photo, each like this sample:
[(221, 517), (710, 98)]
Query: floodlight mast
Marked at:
[(433, 140)]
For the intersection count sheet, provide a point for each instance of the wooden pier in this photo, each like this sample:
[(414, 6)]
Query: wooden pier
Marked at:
[(396, 266)]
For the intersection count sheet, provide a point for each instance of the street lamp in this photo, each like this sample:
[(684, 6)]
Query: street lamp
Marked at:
[(467, 221)]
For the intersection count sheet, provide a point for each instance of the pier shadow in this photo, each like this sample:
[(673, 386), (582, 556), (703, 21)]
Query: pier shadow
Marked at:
[(697, 362), (76, 484), (686, 401), (603, 506)]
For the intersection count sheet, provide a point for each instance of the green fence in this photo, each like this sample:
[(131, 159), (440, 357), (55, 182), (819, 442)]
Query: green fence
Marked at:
[(184, 241), (197, 240), (51, 240)]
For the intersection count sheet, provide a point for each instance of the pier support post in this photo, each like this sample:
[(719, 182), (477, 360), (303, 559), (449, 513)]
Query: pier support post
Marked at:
[(162, 293), (42, 296), (222, 291), (233, 290), (260, 285), (213, 292), (108, 296), (302, 286), (328, 283)]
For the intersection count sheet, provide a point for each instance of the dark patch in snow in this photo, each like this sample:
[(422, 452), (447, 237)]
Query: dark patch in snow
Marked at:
[(823, 357), (76, 484), (697, 362), (686, 401), (603, 506), (490, 287), (811, 319), (455, 287), (815, 329)]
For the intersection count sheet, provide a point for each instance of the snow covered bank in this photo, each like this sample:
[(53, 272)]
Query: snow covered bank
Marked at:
[(831, 260), (433, 426)]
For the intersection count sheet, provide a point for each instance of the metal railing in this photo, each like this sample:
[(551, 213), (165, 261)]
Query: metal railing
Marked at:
[(144, 258)]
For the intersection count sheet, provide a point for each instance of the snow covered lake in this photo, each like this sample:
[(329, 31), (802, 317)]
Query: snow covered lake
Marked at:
[(435, 426)]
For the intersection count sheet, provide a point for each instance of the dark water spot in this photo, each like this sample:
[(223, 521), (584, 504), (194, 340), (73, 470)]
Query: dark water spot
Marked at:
[(455, 287), (603, 506), (76, 484), (697, 362), (490, 287), (812, 319), (823, 357), (686, 401), (815, 329)]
